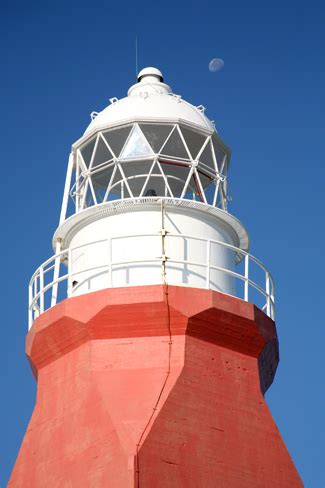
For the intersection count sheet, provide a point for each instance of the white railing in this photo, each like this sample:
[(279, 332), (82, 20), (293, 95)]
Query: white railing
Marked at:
[(53, 280)]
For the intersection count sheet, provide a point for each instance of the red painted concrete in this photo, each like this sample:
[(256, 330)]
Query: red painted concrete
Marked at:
[(153, 387)]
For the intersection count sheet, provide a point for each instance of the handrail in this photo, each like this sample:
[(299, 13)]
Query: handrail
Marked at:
[(42, 281)]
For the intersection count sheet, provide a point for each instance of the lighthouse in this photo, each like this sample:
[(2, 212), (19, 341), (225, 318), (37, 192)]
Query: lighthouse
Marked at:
[(151, 328)]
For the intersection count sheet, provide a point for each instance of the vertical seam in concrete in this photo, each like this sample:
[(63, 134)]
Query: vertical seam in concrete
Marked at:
[(137, 463)]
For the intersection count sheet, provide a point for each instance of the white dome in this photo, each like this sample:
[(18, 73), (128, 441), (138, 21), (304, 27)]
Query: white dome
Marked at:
[(150, 99)]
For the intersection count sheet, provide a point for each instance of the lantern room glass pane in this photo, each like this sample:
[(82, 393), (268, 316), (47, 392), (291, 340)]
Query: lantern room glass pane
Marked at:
[(136, 185), (134, 168), (207, 158), (102, 154), (176, 176), (87, 151), (156, 185), (219, 153), (156, 134), (174, 147), (194, 140), (193, 191), (136, 146), (101, 178), (116, 139), (205, 179), (89, 200)]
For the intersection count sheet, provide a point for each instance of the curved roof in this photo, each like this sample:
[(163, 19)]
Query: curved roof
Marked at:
[(150, 98)]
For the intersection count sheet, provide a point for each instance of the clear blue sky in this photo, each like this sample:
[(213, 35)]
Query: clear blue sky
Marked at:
[(62, 60)]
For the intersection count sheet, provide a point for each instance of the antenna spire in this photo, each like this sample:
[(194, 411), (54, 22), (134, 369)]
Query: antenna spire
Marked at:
[(136, 57)]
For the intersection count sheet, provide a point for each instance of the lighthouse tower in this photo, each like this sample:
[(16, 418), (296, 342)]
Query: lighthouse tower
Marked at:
[(151, 329)]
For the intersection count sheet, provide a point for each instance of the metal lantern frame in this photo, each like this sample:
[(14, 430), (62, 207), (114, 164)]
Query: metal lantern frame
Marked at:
[(186, 163)]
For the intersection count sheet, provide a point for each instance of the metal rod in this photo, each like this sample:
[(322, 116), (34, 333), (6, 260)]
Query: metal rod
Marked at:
[(207, 283), (267, 289), (41, 287), (246, 278)]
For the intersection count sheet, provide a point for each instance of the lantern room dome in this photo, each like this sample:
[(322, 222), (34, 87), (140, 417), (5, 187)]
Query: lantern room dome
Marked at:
[(150, 99)]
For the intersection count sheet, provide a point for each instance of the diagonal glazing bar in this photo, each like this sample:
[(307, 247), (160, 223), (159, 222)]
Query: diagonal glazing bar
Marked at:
[(110, 183), (183, 141), (165, 179), (197, 177), (148, 177), (125, 180), (188, 179)]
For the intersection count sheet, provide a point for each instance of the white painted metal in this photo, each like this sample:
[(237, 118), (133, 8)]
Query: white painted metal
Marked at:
[(63, 215), (149, 99), (155, 73), (149, 184), (73, 224), (134, 236), (265, 294), (67, 186)]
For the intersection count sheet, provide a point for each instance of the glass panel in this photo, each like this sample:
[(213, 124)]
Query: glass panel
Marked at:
[(205, 179), (100, 193), (137, 145), (156, 134), (116, 139), (89, 201), (115, 191), (219, 153), (193, 190), (176, 176), (131, 168), (225, 168), (209, 190), (136, 173), (87, 151), (156, 185), (101, 178), (102, 154), (175, 147), (136, 185), (206, 157), (193, 140)]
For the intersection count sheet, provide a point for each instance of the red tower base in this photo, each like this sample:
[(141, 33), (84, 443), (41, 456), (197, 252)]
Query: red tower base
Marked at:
[(153, 387)]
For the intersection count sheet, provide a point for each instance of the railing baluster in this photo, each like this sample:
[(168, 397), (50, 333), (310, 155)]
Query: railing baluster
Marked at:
[(56, 275), (110, 269), (41, 289), (35, 285), (272, 301), (207, 282), (246, 284), (69, 290), (30, 310), (267, 289)]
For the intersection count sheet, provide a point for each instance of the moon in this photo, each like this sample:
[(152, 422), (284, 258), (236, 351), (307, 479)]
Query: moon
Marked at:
[(216, 64)]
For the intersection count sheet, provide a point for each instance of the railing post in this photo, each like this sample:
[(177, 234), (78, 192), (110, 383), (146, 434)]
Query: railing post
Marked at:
[(267, 289), (56, 273), (207, 282), (30, 310), (41, 289), (69, 290), (110, 270), (272, 300), (35, 285), (246, 286)]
